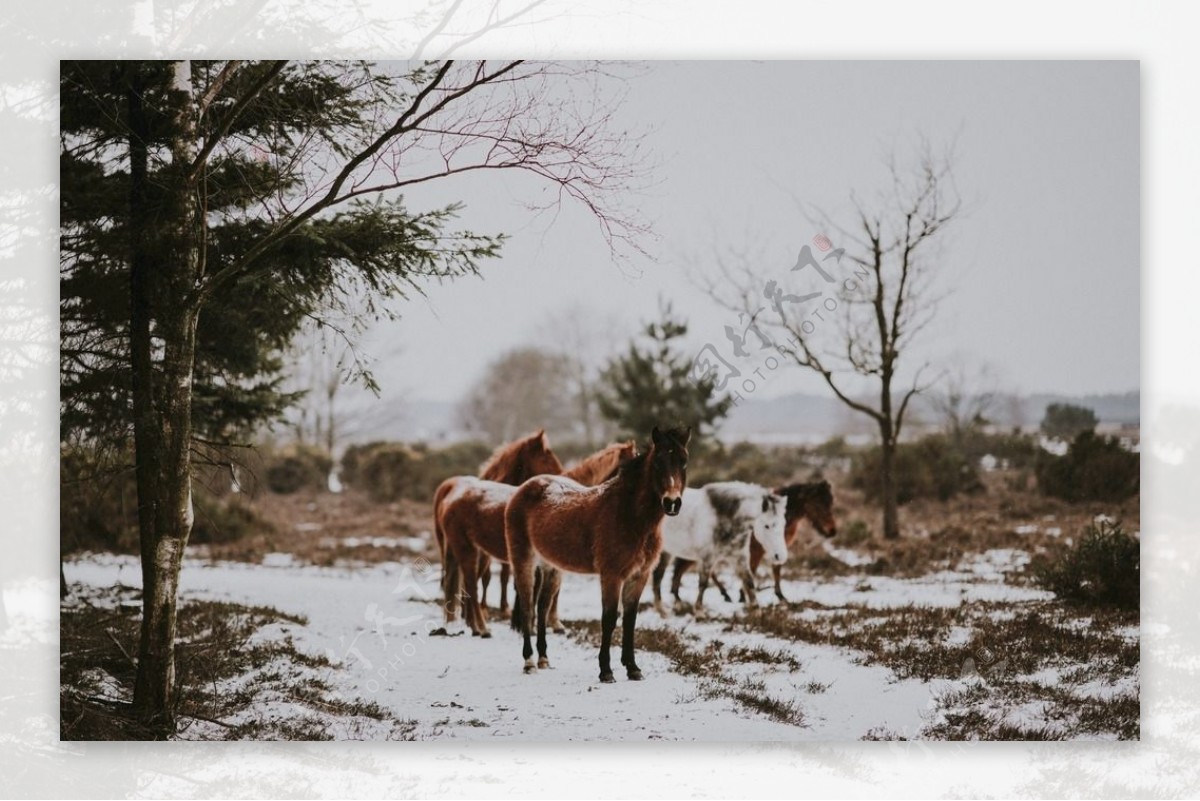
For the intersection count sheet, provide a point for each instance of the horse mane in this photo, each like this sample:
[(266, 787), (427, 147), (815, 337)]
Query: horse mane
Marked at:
[(601, 465), (507, 463), (634, 464)]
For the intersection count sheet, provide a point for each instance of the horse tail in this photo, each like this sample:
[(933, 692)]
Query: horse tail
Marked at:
[(439, 533), (518, 614)]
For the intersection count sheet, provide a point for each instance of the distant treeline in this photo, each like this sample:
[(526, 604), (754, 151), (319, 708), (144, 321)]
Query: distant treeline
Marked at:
[(99, 503)]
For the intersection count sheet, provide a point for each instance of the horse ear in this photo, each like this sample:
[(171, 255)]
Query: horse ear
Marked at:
[(766, 503), (541, 438), (687, 435), (655, 435)]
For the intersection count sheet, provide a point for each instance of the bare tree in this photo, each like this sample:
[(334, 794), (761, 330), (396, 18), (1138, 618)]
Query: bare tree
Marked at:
[(966, 396), (867, 322), (523, 390)]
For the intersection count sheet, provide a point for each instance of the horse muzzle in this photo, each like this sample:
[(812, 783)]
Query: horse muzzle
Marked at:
[(672, 505), (779, 558)]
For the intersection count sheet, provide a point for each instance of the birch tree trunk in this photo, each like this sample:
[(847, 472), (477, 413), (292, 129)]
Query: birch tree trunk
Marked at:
[(164, 268)]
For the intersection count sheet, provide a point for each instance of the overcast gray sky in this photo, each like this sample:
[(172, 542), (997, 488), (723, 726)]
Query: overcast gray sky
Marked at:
[(1043, 269)]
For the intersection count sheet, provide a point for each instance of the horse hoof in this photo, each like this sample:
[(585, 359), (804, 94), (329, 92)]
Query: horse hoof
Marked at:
[(475, 633), (560, 630), (543, 663), (440, 631), (634, 674), (530, 667), (486, 635), (607, 677)]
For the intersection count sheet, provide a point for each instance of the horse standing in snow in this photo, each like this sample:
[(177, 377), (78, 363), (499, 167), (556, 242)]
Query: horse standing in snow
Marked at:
[(471, 519), (719, 523), (553, 523), (813, 501), (510, 464)]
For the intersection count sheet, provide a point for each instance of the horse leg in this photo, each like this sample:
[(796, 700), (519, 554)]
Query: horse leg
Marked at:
[(610, 594), (716, 580), (551, 581), (705, 570), (555, 624), (679, 568), (750, 594), (505, 572), (469, 565), (485, 579), (523, 568), (776, 570), (631, 594), (757, 552), (660, 570)]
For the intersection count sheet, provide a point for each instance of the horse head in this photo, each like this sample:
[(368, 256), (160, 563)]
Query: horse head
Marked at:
[(537, 458), (668, 466), (770, 527), (814, 501)]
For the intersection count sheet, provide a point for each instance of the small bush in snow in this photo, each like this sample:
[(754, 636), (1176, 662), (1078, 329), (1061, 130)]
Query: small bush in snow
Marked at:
[(1104, 568)]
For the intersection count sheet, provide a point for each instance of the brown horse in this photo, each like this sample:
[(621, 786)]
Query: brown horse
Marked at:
[(509, 464), (813, 501), (589, 471), (553, 523), (472, 521)]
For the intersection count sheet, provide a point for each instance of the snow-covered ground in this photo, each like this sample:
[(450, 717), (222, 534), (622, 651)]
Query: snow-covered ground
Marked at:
[(373, 623)]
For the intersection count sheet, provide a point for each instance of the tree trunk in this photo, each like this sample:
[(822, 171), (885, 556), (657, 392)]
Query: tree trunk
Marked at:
[(887, 482), (164, 266)]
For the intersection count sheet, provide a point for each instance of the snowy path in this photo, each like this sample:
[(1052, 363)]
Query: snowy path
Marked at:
[(373, 624)]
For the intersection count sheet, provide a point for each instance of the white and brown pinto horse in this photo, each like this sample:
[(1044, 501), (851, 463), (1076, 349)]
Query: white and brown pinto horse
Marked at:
[(717, 527)]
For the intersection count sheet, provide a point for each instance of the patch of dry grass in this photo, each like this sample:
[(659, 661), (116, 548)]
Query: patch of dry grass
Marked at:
[(227, 675)]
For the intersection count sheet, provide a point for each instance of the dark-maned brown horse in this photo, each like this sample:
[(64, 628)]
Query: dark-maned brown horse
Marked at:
[(813, 501), (588, 471), (553, 524), (509, 464), (472, 523)]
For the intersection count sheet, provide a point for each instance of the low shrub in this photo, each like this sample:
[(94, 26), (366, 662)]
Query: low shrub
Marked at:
[(1102, 569), (297, 468), (220, 521), (768, 465), (928, 468), (853, 533), (1094, 468)]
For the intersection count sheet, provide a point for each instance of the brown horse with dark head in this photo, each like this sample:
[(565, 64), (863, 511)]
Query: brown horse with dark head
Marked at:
[(472, 522), (812, 501), (553, 523), (509, 464), (588, 471)]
